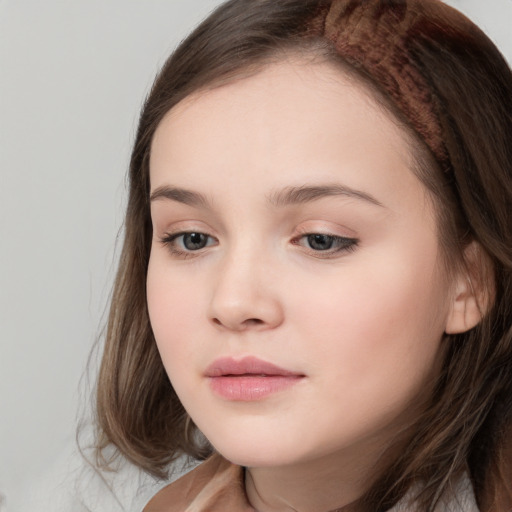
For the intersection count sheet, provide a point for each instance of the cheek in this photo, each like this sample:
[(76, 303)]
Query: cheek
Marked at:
[(380, 318), (173, 308)]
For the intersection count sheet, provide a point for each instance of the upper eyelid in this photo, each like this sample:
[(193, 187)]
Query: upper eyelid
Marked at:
[(178, 234), (182, 228), (351, 239), (326, 232)]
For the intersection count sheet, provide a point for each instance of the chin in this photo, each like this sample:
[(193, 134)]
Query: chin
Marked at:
[(258, 451), (256, 458)]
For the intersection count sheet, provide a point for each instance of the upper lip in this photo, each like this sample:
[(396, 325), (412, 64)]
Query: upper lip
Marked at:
[(247, 366)]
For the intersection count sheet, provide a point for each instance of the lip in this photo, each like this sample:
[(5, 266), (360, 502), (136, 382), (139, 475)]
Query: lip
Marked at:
[(248, 379)]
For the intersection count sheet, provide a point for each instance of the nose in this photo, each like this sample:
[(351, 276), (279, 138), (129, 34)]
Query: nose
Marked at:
[(246, 295)]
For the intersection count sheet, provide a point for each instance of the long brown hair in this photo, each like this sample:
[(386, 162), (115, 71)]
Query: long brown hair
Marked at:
[(444, 80)]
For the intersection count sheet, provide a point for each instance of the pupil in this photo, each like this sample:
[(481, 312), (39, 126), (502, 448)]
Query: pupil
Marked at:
[(194, 241), (320, 242)]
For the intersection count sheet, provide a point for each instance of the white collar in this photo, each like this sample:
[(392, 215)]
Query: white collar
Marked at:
[(460, 499)]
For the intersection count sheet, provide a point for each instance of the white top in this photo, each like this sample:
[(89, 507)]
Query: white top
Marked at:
[(461, 500)]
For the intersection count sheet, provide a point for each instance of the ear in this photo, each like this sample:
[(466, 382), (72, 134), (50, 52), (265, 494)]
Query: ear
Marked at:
[(474, 290)]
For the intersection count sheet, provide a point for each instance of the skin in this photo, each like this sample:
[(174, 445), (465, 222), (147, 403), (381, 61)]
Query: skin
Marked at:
[(363, 324)]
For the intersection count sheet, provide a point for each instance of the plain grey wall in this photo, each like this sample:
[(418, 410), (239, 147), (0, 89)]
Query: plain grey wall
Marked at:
[(73, 75)]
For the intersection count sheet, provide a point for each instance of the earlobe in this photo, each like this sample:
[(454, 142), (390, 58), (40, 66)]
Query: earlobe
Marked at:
[(473, 291)]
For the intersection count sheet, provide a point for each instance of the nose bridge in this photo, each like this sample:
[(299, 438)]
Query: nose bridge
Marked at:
[(244, 296)]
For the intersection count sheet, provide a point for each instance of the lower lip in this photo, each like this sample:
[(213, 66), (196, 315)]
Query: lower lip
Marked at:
[(248, 388)]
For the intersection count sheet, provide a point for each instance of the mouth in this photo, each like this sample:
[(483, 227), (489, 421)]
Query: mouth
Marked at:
[(248, 379)]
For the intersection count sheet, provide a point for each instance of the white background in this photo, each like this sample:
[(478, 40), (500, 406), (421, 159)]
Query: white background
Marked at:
[(73, 75)]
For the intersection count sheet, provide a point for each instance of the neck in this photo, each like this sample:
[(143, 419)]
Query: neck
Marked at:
[(332, 483)]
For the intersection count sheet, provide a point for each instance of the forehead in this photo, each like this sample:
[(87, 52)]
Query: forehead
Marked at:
[(293, 120), (308, 82)]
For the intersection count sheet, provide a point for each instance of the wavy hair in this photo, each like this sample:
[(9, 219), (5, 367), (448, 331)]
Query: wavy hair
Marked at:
[(448, 85)]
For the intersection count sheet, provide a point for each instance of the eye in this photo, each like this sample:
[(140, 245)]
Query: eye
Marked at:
[(194, 241), (320, 242), (184, 243), (324, 243)]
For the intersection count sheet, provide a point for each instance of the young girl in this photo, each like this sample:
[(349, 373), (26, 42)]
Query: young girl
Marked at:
[(315, 289)]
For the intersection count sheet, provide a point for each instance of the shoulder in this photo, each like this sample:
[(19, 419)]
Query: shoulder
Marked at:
[(216, 485)]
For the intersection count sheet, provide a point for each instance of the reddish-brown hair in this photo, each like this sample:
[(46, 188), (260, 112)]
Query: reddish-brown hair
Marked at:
[(449, 86)]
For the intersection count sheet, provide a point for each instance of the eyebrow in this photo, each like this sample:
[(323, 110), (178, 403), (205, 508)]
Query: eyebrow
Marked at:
[(286, 197), (180, 195), (308, 193)]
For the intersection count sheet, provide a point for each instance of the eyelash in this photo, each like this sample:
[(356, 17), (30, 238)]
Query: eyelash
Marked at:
[(345, 244), (169, 240)]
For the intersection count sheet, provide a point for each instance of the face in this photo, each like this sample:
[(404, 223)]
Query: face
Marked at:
[(295, 285)]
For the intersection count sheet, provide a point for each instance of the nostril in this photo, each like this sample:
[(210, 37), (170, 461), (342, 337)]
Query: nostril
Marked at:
[(253, 321), (249, 322)]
